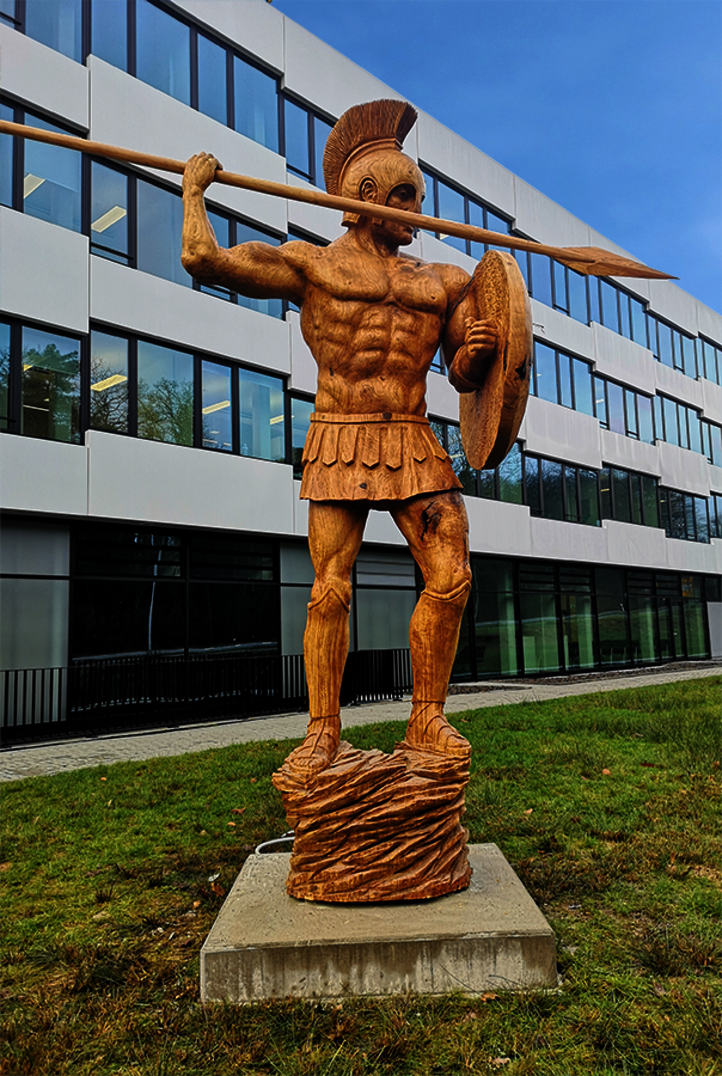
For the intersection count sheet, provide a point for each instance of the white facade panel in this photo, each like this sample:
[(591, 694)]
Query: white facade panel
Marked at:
[(257, 28), (670, 302), (714, 614), (313, 219), (127, 112), (694, 556), (709, 323), (435, 251), (46, 477), (623, 360), (41, 77), (715, 478), (442, 399), (711, 399), (451, 156), (557, 330), (380, 528), (158, 483), (304, 372), (497, 527), (540, 217), (561, 433), (675, 383), (570, 542), (620, 451), (43, 271), (635, 547), (684, 470), (321, 76), (158, 308)]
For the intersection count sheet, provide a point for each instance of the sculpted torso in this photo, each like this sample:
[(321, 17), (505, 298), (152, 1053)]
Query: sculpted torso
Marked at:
[(373, 325), (373, 318)]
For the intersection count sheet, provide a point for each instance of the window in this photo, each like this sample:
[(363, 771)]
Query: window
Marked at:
[(57, 25), (162, 46), (301, 411), (49, 185), (304, 135), (165, 394), (4, 376), (255, 104), (545, 373), (297, 139), (109, 31), (262, 415), (212, 80), (160, 228), (447, 201), (109, 202), (108, 382), (216, 410), (711, 361), (50, 386), (7, 12), (686, 517), (139, 223)]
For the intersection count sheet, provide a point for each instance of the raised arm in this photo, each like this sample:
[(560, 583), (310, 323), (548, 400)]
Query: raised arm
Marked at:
[(468, 343), (258, 270)]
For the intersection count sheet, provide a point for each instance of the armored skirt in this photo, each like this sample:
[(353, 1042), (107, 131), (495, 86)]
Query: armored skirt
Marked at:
[(378, 457)]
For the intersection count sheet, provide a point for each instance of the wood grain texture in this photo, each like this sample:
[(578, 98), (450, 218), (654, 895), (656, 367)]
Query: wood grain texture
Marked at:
[(491, 415), (378, 827)]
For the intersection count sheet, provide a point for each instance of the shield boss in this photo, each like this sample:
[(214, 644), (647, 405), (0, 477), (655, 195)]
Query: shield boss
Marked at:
[(491, 415)]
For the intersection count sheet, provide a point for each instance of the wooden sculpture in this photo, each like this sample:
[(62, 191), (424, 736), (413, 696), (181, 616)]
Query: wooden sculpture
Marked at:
[(371, 826), (373, 319)]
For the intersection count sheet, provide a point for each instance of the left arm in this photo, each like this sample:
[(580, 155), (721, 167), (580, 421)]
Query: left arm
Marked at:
[(468, 343)]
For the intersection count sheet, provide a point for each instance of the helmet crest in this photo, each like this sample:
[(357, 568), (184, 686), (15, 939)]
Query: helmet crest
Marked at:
[(366, 142)]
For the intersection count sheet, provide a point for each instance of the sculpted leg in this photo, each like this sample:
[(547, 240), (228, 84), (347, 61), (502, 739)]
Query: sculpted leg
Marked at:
[(436, 529), (335, 531)]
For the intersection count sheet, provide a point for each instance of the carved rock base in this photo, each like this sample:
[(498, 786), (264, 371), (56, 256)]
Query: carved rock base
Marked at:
[(378, 827)]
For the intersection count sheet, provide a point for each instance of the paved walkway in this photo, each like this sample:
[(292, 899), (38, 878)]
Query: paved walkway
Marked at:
[(61, 755)]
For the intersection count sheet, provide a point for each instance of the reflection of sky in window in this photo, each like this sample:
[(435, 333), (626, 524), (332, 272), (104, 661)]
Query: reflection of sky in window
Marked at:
[(163, 51), (51, 181), (56, 24), (109, 29), (212, 90), (216, 406)]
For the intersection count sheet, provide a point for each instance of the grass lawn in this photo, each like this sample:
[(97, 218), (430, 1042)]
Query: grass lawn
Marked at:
[(608, 806)]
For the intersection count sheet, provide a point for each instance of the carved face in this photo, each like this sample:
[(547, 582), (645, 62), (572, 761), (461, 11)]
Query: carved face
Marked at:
[(404, 197), (375, 176)]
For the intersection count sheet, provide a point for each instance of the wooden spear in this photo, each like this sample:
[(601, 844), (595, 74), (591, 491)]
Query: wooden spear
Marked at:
[(591, 261)]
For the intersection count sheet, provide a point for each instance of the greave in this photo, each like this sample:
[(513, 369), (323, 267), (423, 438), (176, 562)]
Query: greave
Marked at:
[(325, 646), (433, 638)]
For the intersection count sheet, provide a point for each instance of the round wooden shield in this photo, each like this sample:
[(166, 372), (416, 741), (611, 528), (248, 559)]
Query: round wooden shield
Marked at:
[(492, 414)]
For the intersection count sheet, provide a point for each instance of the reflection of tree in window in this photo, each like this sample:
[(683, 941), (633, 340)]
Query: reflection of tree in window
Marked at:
[(165, 394), (108, 383), (51, 393), (463, 471), (165, 411), (4, 376)]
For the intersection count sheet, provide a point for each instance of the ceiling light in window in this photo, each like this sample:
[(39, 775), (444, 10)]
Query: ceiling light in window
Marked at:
[(111, 217), (274, 421), (216, 407), (31, 183), (108, 382)]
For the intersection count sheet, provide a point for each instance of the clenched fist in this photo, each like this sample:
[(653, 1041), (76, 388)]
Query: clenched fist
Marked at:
[(200, 171)]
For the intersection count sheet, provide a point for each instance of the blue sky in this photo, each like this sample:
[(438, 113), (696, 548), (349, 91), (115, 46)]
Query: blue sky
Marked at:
[(613, 108)]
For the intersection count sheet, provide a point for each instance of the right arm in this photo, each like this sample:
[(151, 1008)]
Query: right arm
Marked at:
[(258, 270)]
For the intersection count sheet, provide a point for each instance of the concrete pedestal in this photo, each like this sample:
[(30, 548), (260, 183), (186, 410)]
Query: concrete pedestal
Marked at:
[(265, 944)]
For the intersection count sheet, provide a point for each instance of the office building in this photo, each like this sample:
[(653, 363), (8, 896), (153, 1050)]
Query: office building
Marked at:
[(152, 429)]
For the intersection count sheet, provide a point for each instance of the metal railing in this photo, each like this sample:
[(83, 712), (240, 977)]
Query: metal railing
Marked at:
[(93, 697)]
